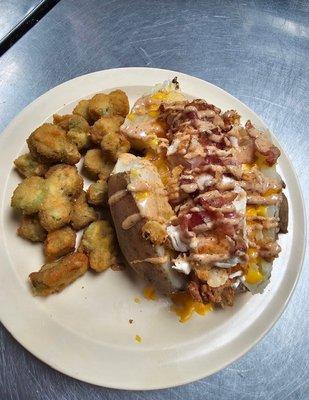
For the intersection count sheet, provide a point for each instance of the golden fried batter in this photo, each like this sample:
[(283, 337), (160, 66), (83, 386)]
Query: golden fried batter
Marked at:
[(99, 243), (95, 164), (29, 195), (82, 214), (54, 277), (114, 144), (105, 125), (97, 193), (64, 179), (55, 212), (27, 166), (120, 102), (100, 105), (81, 139), (59, 243), (31, 229), (71, 121), (49, 144), (82, 110)]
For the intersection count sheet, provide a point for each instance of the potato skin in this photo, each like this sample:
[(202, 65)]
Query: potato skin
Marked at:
[(284, 214), (132, 244)]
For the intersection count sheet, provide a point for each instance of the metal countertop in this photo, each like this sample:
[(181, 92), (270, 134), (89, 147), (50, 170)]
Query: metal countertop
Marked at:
[(12, 12), (256, 50)]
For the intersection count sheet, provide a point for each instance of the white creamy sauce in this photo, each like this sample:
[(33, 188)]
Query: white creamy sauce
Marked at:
[(173, 147), (204, 180), (231, 262), (174, 234), (182, 265), (241, 200)]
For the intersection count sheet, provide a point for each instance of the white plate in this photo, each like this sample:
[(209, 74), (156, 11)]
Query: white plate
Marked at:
[(84, 331)]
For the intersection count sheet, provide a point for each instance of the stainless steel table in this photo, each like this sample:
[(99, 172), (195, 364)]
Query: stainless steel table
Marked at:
[(13, 12), (256, 50)]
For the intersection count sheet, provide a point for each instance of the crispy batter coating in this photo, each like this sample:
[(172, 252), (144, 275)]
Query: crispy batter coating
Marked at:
[(100, 105), (71, 121), (29, 195), (27, 166), (155, 232), (82, 214), (59, 243), (31, 229), (77, 129), (99, 243), (113, 144), (95, 164), (49, 144), (105, 125), (97, 193), (55, 212), (55, 276), (64, 179), (120, 102), (81, 139), (82, 110)]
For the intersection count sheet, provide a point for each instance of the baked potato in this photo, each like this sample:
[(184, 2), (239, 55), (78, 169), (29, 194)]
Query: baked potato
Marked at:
[(137, 196)]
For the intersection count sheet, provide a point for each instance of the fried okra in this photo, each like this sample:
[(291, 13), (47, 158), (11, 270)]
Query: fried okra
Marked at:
[(31, 229), (99, 243), (27, 166), (49, 144), (29, 195), (120, 102), (95, 164), (64, 179), (100, 105), (114, 103), (55, 212), (81, 139), (59, 243), (82, 110), (97, 193), (113, 144), (71, 121), (77, 129), (105, 125), (82, 214), (55, 276)]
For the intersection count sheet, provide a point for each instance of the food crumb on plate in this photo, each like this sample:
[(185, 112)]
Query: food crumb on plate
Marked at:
[(130, 321), (137, 300), (138, 339)]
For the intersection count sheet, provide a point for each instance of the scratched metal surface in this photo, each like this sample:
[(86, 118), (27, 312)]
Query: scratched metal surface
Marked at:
[(14, 11), (256, 50)]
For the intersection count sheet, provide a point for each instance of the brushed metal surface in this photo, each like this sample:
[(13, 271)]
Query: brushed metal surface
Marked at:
[(14, 11), (256, 50)]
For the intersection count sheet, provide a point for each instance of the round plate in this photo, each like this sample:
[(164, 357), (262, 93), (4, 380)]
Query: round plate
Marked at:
[(84, 331)]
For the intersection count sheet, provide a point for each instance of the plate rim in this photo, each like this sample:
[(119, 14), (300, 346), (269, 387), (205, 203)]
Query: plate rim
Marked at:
[(302, 211)]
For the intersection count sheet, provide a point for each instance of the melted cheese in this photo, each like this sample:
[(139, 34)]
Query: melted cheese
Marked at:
[(184, 306)]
